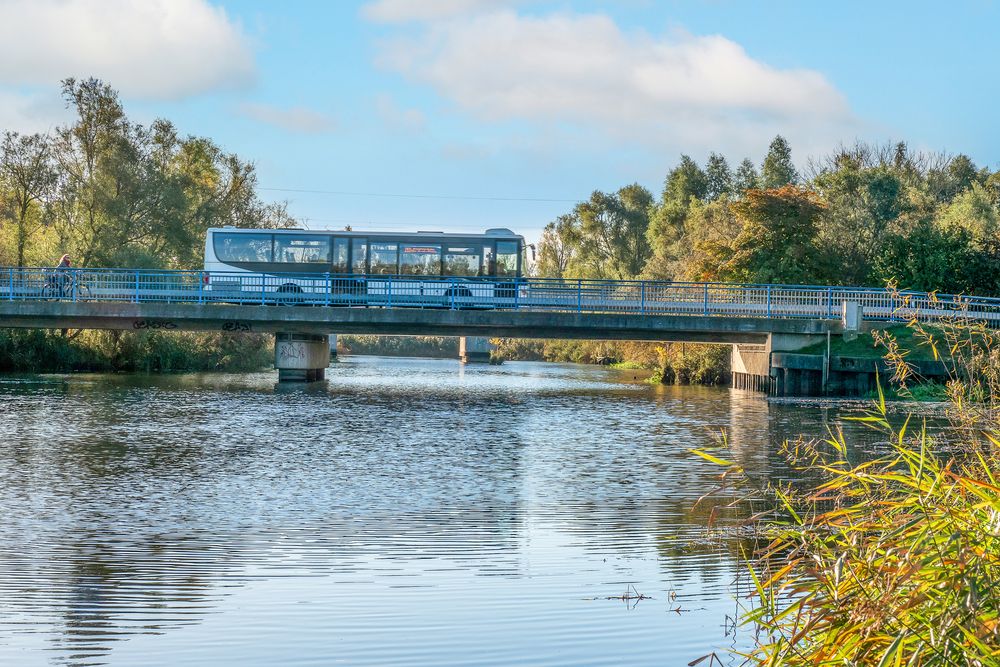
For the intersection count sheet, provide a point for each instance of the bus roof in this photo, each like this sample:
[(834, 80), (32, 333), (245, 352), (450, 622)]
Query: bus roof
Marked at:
[(490, 233)]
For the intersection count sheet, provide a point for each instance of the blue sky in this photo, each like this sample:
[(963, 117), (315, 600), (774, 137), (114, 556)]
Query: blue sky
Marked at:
[(505, 112)]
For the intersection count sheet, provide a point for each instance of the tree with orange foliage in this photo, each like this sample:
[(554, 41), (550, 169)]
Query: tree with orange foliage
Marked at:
[(777, 242)]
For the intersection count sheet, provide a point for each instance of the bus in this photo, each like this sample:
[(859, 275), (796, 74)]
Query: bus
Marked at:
[(364, 268)]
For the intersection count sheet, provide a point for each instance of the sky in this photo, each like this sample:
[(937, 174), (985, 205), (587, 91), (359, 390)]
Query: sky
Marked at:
[(461, 115)]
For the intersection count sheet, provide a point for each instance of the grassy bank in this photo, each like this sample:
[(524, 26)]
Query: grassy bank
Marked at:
[(46, 351), (873, 344)]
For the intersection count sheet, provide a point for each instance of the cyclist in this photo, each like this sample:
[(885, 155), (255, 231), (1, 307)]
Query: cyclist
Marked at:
[(60, 274)]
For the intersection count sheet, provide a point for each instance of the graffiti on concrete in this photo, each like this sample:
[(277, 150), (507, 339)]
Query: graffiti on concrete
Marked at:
[(153, 324), (291, 351)]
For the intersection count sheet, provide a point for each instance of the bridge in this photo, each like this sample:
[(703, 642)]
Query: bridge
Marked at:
[(304, 309)]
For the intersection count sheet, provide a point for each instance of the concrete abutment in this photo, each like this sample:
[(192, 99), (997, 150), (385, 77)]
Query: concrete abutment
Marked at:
[(301, 357)]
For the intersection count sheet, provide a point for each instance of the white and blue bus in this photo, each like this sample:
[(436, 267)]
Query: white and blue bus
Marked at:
[(365, 268)]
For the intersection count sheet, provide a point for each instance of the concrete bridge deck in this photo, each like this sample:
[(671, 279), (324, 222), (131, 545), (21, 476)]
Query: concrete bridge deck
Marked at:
[(404, 321)]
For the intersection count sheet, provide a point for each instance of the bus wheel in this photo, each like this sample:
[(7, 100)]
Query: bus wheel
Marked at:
[(457, 292), (289, 294)]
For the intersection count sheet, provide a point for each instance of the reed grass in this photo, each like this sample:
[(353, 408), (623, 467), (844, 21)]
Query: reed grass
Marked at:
[(893, 560)]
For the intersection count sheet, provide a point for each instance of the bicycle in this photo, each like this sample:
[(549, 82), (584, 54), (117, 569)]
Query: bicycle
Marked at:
[(64, 285)]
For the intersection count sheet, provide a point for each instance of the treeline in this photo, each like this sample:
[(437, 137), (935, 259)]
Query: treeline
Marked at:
[(113, 192), (865, 215)]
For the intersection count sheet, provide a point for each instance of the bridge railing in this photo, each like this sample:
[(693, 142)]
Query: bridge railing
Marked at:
[(542, 294)]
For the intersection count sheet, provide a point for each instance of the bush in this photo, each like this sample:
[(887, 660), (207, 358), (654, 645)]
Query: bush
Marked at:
[(41, 351)]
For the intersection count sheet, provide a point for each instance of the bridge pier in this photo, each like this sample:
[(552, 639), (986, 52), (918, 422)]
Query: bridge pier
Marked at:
[(776, 369), (474, 350), (301, 357)]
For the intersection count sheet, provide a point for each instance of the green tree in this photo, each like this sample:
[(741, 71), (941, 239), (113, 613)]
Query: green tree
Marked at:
[(133, 195), (777, 169), (953, 176), (685, 181), (558, 247), (929, 258), (718, 177), (27, 182), (683, 185), (746, 177), (613, 232), (864, 204)]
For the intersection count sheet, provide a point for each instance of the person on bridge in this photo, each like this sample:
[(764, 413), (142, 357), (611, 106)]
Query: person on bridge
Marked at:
[(61, 277)]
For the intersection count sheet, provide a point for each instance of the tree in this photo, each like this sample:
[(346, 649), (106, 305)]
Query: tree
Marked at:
[(974, 212), (613, 232), (135, 195), (685, 181), (558, 247), (777, 242), (954, 176), (27, 179), (684, 184), (746, 177), (778, 170), (718, 177), (709, 230), (864, 203), (932, 258)]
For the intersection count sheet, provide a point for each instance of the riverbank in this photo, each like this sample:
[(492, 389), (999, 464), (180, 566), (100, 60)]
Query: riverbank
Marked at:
[(669, 363), (47, 351)]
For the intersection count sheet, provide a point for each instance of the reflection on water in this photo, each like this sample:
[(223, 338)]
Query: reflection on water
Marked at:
[(411, 512)]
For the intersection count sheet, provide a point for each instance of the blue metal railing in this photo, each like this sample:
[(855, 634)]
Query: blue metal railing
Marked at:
[(539, 294)]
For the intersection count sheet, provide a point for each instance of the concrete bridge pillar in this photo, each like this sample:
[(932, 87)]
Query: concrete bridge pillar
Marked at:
[(333, 346), (301, 357), (474, 350)]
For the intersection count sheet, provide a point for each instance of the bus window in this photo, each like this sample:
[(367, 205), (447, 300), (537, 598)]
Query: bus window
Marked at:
[(339, 259), (489, 264), (301, 249), (242, 247), (420, 260), (359, 256), (462, 261), (385, 257), (506, 258)]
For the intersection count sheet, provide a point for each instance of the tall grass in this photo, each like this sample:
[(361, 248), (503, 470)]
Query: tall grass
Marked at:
[(895, 560)]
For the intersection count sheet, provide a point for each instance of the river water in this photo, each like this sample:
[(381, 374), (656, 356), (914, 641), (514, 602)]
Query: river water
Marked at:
[(405, 512)]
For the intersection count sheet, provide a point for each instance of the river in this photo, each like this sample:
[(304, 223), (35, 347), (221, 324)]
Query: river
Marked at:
[(405, 512)]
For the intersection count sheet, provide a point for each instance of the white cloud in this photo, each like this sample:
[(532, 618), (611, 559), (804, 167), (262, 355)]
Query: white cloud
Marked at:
[(399, 11), (677, 90), (293, 119), (163, 49), (28, 113)]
